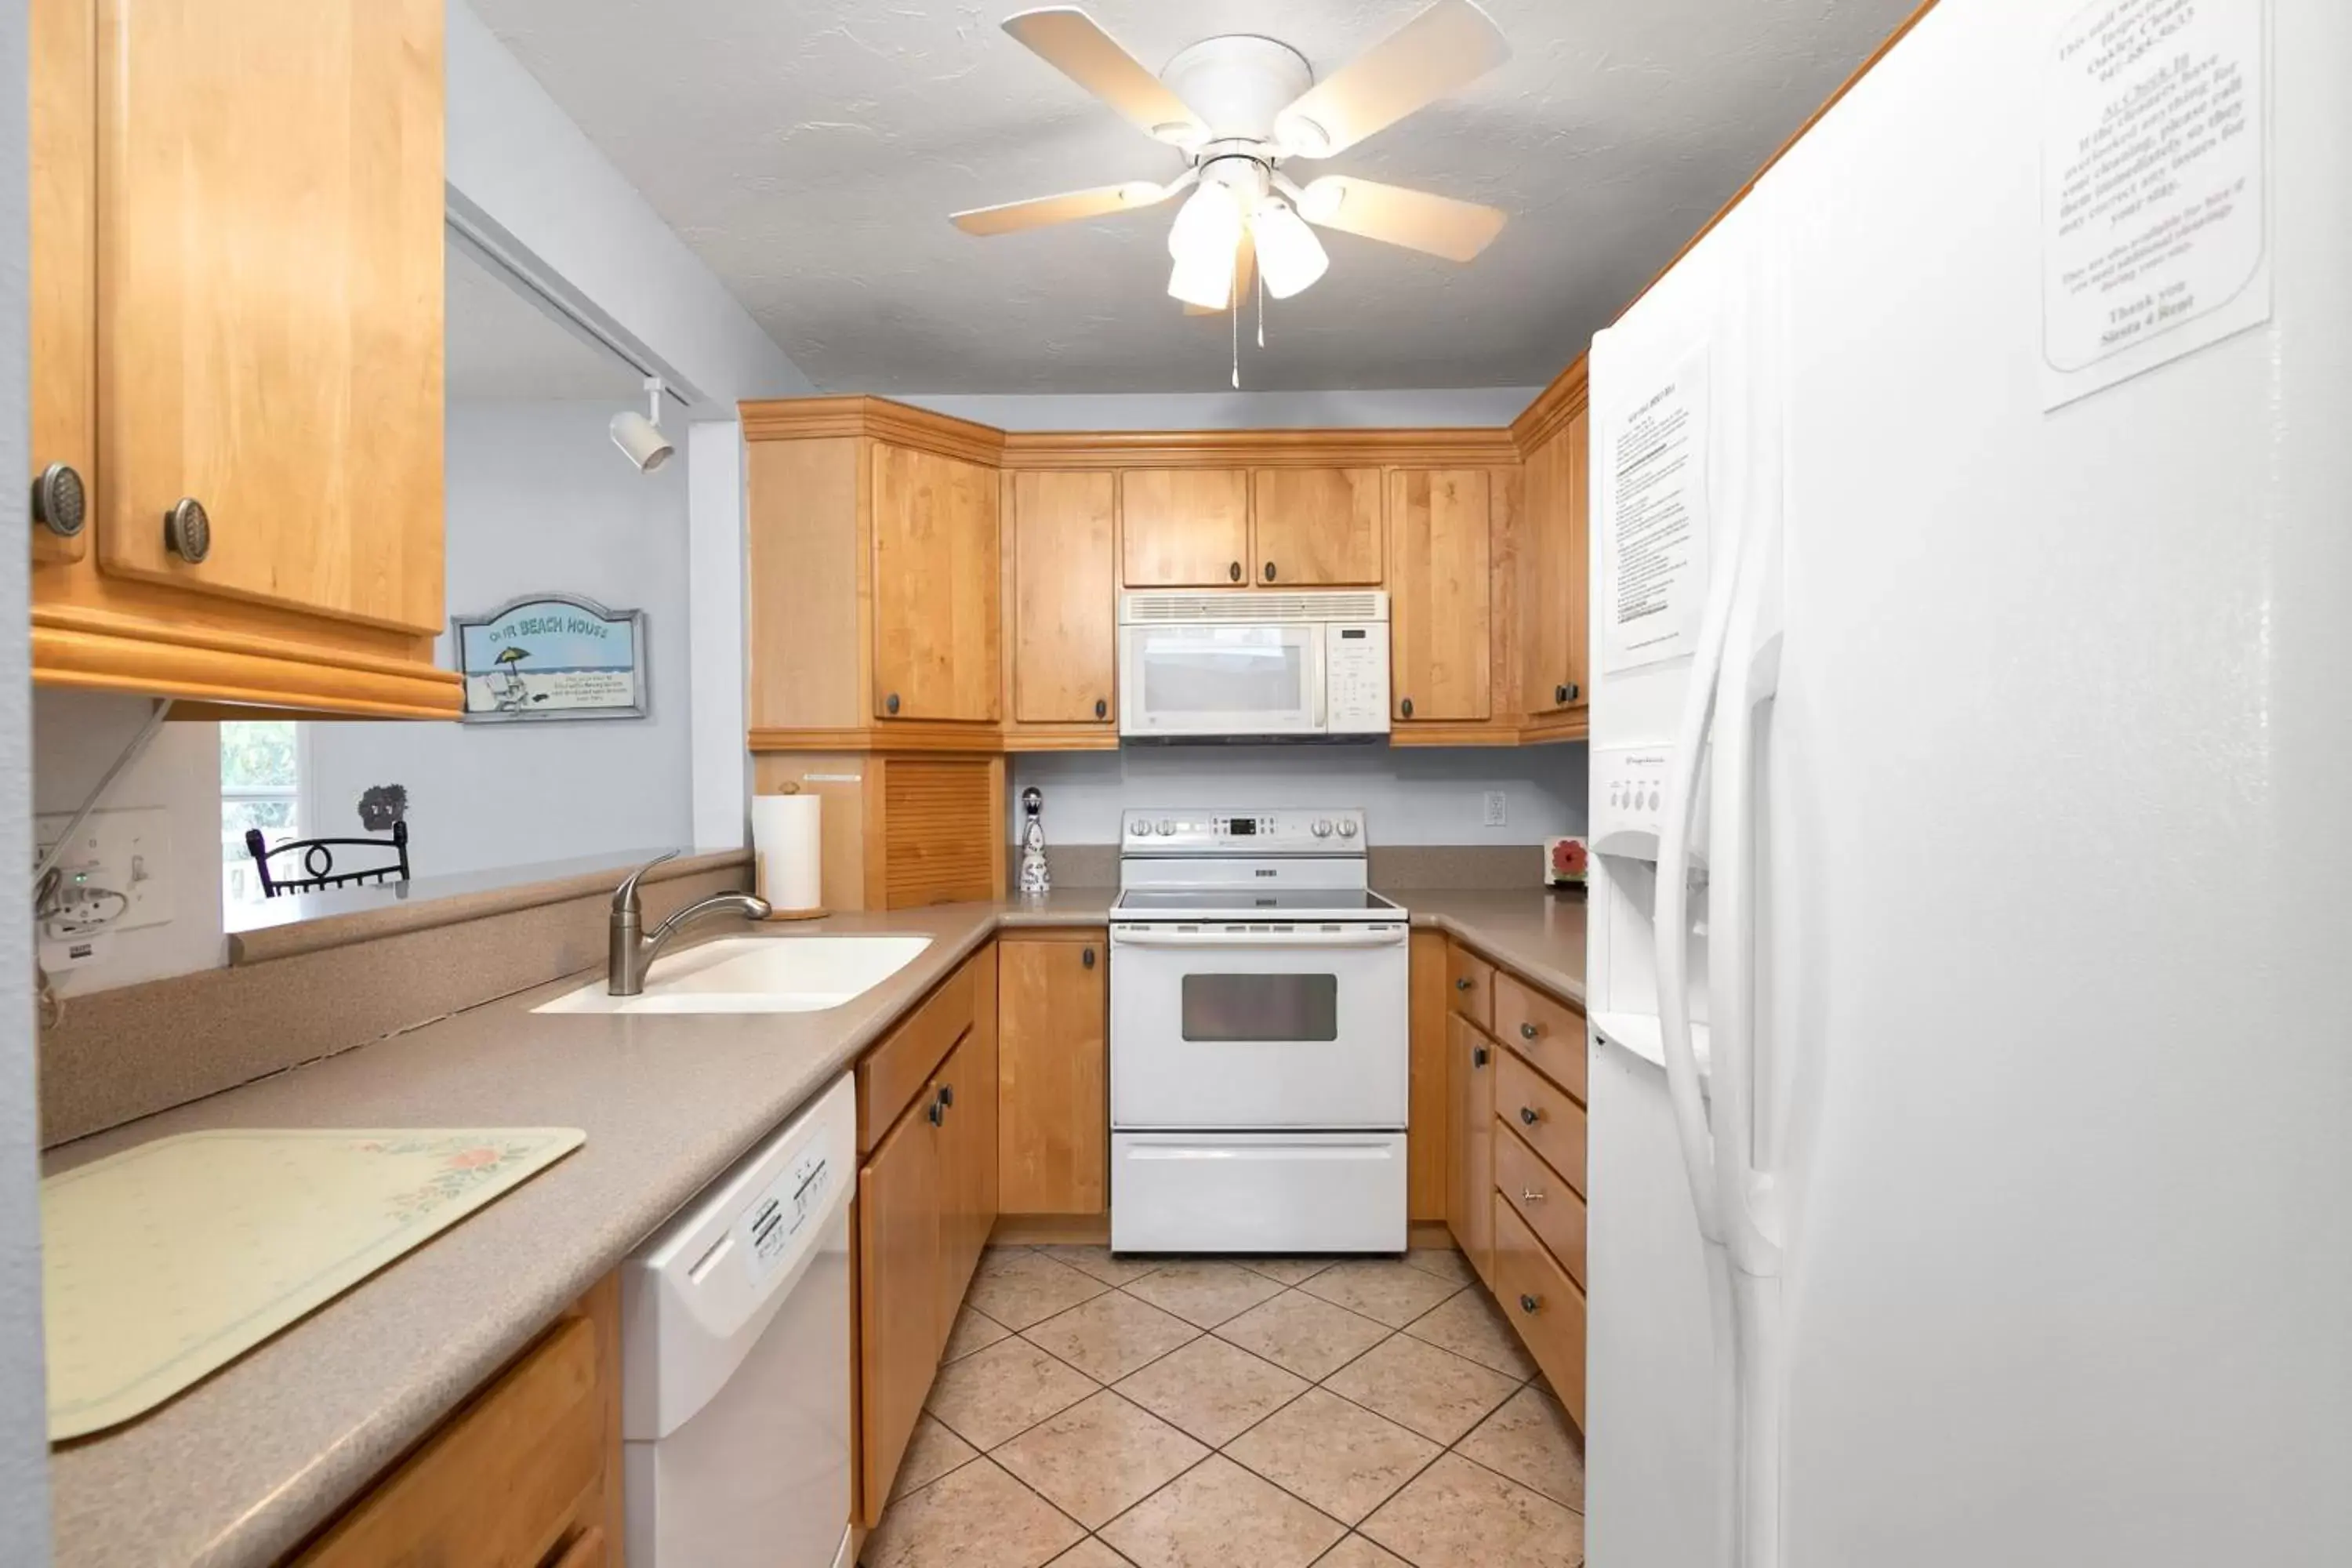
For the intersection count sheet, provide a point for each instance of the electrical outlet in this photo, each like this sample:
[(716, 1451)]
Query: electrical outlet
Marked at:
[(127, 852), (1497, 815)]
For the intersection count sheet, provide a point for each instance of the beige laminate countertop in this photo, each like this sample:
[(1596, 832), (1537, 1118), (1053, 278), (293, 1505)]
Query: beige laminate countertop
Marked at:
[(246, 1464)]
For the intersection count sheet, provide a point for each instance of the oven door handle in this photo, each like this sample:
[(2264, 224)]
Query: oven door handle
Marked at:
[(1381, 936)]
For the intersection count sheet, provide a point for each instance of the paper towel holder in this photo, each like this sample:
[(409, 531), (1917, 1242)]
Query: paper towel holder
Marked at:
[(758, 865)]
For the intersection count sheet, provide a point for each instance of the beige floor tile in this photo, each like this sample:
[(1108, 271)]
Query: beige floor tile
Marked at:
[(1434, 1391), (1204, 1294), (977, 1517), (1531, 1440), (1111, 1335), (1002, 1391), (1218, 1515), (972, 1331), (1445, 1262), (1100, 1457), (1339, 1457), (1301, 1334), (1457, 1515), (1381, 1288), (1358, 1552), (1473, 1327), (1286, 1270), (1089, 1553), (1213, 1390), (931, 1453), (1020, 1287), (1099, 1262)]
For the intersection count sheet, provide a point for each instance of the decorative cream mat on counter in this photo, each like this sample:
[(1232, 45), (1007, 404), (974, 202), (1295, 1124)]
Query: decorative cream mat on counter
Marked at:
[(165, 1262)]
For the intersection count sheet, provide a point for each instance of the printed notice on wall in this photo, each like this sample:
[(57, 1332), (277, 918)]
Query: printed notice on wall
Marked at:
[(1657, 536), (2154, 191)]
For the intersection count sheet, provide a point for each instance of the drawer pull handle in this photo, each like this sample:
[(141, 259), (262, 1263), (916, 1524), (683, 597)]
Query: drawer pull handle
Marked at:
[(1530, 1304), (1529, 1196), (1461, 983), (1528, 1031), (1477, 1055), (1527, 1115)]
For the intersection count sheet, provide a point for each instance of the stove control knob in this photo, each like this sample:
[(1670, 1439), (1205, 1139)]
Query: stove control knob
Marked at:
[(1166, 829), (1347, 830), (1142, 830), (1323, 829)]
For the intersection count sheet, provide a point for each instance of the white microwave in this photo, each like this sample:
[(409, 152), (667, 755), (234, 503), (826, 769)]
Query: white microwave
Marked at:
[(1249, 665)]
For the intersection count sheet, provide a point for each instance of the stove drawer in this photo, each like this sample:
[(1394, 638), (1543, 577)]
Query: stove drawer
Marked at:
[(1257, 1193)]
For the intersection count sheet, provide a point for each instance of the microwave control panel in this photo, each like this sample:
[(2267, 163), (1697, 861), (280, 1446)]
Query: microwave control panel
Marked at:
[(1356, 678)]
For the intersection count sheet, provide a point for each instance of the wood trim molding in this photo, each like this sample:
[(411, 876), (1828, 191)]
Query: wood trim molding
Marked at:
[(1558, 404), (95, 650), (900, 424), (1367, 448), (925, 737)]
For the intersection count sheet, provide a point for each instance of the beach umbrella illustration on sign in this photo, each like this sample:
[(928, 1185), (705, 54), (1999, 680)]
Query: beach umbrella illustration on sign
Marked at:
[(508, 686)]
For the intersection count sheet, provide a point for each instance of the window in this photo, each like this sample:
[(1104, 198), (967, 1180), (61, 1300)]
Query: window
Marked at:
[(261, 782)]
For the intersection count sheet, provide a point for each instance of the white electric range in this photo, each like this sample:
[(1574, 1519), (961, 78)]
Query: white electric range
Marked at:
[(1258, 1036)]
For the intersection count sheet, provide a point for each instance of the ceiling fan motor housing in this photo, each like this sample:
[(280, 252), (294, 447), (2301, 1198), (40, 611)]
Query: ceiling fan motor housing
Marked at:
[(1238, 83)]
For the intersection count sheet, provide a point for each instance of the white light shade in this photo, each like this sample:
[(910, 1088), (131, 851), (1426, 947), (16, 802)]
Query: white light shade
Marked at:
[(1322, 199), (642, 440), (1204, 239), (1288, 251)]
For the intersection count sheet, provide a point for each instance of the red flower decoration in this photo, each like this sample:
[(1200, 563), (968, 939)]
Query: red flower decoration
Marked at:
[(1568, 858)]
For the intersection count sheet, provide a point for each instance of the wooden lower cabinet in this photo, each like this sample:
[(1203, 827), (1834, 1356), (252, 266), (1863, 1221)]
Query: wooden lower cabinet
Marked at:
[(1054, 1073), (527, 1472), (1470, 1144)]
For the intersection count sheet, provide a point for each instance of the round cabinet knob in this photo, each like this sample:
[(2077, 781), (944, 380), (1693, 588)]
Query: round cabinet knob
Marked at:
[(1570, 692), (1527, 1115), (1347, 830), (1462, 983), (937, 1114), (1528, 1031), (1323, 829), (1560, 694), (1407, 707), (1166, 829), (1235, 571), (187, 531), (1087, 959), (60, 503), (1269, 570), (1529, 1304), (1102, 709), (890, 703)]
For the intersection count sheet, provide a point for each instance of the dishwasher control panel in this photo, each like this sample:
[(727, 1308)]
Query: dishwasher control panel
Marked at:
[(765, 1230)]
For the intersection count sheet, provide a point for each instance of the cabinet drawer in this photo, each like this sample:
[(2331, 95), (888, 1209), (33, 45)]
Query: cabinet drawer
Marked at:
[(1553, 1209), (1548, 1032), (1549, 1121), (891, 1074), (503, 1482), (1470, 986), (1543, 1303)]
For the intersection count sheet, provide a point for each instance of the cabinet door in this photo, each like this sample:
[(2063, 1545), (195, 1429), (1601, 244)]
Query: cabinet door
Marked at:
[(1552, 608), (900, 1319), (1317, 528), (1440, 595), (1183, 528), (967, 1183), (1054, 1076), (1470, 1166), (269, 293), (1065, 598), (936, 587), (62, 340)]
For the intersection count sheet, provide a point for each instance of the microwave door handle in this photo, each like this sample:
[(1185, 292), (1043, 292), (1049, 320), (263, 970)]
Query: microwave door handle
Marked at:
[(1389, 936), (1318, 681)]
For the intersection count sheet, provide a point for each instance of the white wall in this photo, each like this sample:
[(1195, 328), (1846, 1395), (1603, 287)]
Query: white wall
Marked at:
[(77, 737), (23, 1449), (715, 556), (1411, 797), (1475, 408), (539, 501)]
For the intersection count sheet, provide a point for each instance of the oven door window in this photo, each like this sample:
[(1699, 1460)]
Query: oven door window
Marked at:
[(1270, 1007)]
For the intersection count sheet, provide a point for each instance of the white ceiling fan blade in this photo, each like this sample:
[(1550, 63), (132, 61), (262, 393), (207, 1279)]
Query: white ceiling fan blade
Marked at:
[(1011, 217), (1440, 225), (1448, 46), (1072, 42)]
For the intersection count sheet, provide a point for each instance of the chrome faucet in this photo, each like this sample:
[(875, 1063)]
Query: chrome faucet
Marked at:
[(632, 952)]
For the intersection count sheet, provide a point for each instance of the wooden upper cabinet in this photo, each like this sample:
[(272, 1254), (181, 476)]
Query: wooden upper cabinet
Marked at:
[(1065, 597), (62, 38), (1184, 528), (1053, 1074), (936, 586), (270, 289), (1317, 528), (1552, 611), (1440, 621)]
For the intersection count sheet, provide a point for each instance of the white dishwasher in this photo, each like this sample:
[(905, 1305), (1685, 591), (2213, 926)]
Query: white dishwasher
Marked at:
[(735, 1360)]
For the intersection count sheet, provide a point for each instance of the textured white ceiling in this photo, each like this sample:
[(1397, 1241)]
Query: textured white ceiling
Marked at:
[(810, 151), (500, 345)]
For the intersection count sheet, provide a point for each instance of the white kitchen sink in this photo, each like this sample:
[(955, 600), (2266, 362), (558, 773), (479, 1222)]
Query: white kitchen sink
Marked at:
[(756, 974)]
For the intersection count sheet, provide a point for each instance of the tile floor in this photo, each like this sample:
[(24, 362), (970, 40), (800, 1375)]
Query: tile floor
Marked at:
[(1094, 1412)]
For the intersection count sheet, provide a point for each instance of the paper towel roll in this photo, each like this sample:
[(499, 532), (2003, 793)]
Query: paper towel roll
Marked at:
[(785, 842)]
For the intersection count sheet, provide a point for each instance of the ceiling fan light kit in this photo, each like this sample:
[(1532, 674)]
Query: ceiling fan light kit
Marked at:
[(1237, 106)]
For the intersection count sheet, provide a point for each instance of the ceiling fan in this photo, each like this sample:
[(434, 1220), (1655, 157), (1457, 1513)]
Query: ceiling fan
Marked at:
[(1238, 107)]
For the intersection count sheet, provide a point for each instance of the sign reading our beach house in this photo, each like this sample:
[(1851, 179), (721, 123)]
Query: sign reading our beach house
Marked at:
[(551, 656)]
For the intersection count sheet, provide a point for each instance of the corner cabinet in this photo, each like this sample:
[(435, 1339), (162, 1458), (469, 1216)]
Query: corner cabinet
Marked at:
[(237, 347), (1556, 542)]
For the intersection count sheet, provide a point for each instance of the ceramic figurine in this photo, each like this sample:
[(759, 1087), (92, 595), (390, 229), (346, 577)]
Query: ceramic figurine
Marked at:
[(1036, 876)]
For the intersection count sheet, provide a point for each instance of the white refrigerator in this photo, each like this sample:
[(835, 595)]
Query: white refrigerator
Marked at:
[(1971, 1162)]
